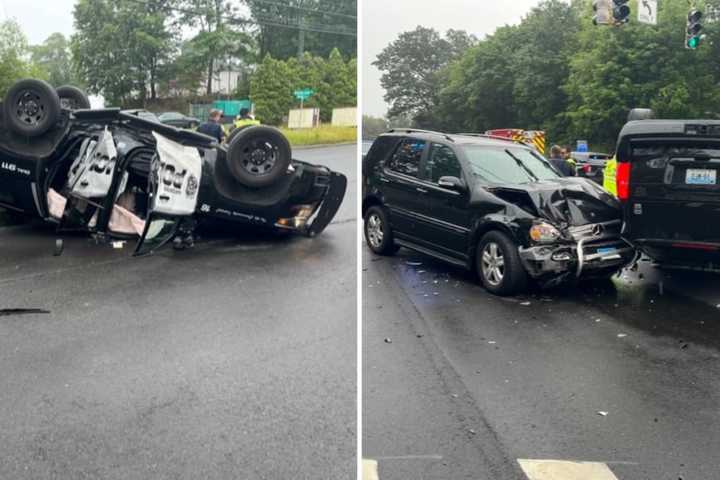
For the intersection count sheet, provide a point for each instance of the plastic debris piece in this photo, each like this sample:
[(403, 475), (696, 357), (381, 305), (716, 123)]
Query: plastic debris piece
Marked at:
[(472, 431), (388, 340), (525, 304), (602, 413), (492, 342), (59, 246), (622, 335)]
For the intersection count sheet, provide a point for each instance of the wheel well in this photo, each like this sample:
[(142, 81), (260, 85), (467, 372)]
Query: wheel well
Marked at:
[(370, 202), (482, 230)]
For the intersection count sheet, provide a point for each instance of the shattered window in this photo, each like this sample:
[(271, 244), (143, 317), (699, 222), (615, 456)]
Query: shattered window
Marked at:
[(406, 159)]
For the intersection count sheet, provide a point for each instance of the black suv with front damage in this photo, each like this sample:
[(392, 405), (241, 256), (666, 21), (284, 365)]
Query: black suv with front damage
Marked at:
[(667, 180), (117, 174), (491, 205)]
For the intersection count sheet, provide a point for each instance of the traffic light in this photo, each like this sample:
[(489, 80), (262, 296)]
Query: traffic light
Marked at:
[(621, 11), (693, 37), (601, 10)]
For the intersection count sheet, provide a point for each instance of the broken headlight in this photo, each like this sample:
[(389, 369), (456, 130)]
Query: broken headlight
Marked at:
[(544, 233), (301, 215)]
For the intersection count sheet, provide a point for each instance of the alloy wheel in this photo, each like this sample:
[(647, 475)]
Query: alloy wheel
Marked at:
[(493, 264), (375, 230)]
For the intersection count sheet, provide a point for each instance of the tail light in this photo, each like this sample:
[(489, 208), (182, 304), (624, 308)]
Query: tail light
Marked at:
[(623, 180), (587, 168)]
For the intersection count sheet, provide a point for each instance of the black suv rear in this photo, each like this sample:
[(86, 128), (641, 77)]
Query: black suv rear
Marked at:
[(667, 179), (491, 205)]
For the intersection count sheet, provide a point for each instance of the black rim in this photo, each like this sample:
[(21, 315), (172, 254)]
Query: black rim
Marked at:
[(68, 103), (259, 157), (31, 109)]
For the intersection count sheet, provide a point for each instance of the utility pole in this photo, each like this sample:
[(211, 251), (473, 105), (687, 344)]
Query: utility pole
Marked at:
[(301, 36)]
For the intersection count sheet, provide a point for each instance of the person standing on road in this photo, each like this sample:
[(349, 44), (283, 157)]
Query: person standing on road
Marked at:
[(212, 127), (245, 119), (562, 165)]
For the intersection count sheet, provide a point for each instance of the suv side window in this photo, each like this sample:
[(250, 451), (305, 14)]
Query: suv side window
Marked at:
[(406, 159), (442, 162)]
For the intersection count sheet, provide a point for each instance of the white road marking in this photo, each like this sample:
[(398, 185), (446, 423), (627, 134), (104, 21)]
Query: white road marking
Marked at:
[(565, 470), (370, 470)]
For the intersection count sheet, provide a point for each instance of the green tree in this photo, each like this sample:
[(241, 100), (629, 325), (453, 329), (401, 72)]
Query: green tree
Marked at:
[(328, 24), (412, 69), (54, 56), (13, 53), (121, 47), (373, 126), (271, 90), (219, 37)]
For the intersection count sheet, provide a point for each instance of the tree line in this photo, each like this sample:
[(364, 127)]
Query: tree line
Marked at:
[(133, 51), (555, 71)]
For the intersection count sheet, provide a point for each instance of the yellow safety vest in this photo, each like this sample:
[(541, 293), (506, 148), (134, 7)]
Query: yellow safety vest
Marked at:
[(245, 122), (610, 176)]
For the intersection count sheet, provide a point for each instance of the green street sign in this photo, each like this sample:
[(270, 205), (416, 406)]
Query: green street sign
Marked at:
[(304, 94)]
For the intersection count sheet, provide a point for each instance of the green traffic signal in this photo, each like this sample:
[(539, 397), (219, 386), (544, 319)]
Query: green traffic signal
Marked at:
[(693, 42)]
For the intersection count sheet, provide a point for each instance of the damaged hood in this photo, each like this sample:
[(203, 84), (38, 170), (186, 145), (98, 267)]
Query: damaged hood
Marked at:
[(564, 202)]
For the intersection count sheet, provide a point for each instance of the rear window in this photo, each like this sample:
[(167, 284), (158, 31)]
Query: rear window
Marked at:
[(508, 165), (670, 163)]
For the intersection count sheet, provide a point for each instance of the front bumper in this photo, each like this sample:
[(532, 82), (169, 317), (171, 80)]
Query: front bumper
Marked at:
[(554, 264)]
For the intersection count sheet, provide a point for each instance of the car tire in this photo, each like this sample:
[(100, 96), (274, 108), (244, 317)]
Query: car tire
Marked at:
[(378, 234), (31, 107), (234, 132), (498, 265), (72, 98), (259, 156)]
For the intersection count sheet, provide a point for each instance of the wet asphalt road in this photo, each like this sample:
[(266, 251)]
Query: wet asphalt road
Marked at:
[(469, 382), (234, 360)]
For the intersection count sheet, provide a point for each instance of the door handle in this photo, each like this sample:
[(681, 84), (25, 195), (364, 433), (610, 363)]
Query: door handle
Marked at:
[(421, 190)]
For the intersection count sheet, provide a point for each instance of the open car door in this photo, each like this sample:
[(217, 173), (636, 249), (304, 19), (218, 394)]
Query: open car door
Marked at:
[(174, 184), (89, 181)]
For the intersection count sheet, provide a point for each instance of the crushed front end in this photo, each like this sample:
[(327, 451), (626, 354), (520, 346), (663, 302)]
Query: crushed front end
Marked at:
[(589, 251)]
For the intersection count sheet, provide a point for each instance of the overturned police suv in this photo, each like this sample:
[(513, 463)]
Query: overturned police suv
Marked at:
[(116, 174), (492, 205)]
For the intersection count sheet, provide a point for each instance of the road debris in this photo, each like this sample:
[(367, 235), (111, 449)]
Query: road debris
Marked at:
[(388, 340), (59, 246), (622, 335), (602, 413), (525, 304)]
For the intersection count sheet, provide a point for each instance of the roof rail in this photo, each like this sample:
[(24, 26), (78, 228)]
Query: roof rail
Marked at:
[(417, 130), (492, 137)]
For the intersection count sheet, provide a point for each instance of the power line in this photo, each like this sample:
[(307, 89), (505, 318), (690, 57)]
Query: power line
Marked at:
[(296, 7), (295, 25)]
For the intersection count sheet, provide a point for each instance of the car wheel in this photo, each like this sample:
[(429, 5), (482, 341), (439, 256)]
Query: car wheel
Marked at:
[(72, 98), (378, 234), (235, 131), (31, 107), (498, 264), (258, 156)]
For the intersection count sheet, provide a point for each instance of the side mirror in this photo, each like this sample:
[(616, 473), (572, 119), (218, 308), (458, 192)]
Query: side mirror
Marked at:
[(452, 183)]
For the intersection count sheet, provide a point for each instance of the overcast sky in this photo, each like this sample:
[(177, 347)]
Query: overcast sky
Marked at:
[(383, 20), (40, 18)]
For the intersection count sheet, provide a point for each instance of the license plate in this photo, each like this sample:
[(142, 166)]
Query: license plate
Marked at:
[(700, 176)]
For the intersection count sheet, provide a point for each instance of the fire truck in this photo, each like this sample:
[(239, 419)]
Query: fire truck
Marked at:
[(534, 138)]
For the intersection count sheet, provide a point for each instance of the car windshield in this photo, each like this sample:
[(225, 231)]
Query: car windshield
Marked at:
[(508, 165)]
